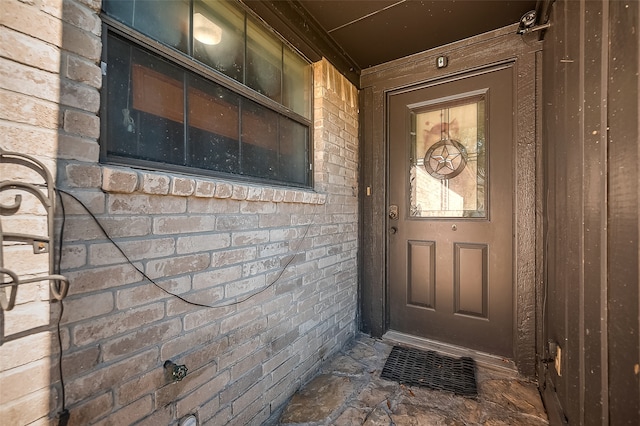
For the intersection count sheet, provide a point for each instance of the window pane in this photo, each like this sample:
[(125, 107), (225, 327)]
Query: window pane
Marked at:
[(222, 46), (213, 127), (145, 105), (165, 21), (259, 141), (294, 157), (121, 10), (297, 83), (447, 177), (264, 62)]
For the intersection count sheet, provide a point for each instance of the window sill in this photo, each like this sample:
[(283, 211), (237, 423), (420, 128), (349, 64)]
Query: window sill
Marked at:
[(125, 180)]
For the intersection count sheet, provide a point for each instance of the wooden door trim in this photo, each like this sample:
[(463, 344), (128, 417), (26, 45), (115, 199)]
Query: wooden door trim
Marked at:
[(468, 56)]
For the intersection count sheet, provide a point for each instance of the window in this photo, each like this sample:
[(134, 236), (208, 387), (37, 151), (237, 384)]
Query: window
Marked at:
[(219, 93)]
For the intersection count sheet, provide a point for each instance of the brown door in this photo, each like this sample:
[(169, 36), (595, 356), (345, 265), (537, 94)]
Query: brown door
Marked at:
[(450, 211)]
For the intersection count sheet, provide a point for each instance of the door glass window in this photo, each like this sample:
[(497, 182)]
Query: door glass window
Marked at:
[(448, 160)]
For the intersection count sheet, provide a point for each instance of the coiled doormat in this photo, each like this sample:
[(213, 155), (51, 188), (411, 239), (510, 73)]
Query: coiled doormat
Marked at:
[(431, 370)]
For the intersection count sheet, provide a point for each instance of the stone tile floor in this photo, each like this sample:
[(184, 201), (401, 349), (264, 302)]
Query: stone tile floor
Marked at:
[(349, 391)]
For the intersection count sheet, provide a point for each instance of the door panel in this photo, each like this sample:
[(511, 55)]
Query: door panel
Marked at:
[(450, 243)]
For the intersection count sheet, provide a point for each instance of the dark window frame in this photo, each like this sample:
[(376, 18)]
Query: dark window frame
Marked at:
[(112, 27)]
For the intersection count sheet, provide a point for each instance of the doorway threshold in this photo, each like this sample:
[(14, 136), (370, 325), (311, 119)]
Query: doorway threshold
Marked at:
[(492, 362)]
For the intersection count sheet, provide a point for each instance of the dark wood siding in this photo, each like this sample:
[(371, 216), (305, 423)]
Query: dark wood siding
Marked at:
[(590, 133)]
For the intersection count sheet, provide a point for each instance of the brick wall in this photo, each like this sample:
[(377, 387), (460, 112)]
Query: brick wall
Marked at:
[(209, 241)]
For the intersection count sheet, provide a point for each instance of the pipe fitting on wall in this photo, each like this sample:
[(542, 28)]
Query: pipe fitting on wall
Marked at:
[(175, 372)]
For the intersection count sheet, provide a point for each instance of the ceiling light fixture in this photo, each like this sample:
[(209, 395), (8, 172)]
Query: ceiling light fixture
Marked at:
[(205, 31)]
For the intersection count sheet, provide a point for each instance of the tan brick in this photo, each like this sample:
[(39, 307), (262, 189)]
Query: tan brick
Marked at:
[(248, 404), (175, 390), (205, 189), (139, 339), (26, 317), (105, 379), (252, 207), (147, 292), (216, 277), (82, 70), (289, 196), (153, 183), (145, 204), (78, 309), (159, 416), (200, 396), (35, 225), (209, 297), (223, 190), (84, 44), (79, 96), (200, 243), (82, 17), (82, 124), (249, 238), (78, 148), (119, 180), (78, 362), (188, 341), (213, 205), (101, 278), (92, 4), (230, 257), (25, 350), (85, 228), (24, 18), (28, 140), (183, 224), (119, 322), (84, 175), (208, 410), (147, 383), (239, 192), (29, 50), (205, 355), (21, 260), (278, 195), (239, 320), (129, 414), (254, 193), (28, 110), (90, 410), (267, 194), (222, 417), (205, 316), (177, 265), (28, 409), (183, 187), (274, 220), (149, 248), (230, 223), (23, 380)]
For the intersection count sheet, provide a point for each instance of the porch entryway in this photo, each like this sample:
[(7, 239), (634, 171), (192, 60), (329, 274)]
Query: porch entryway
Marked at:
[(349, 391)]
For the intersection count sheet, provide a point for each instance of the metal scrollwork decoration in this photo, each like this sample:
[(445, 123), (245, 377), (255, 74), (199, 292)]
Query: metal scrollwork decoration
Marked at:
[(9, 280), (445, 159)]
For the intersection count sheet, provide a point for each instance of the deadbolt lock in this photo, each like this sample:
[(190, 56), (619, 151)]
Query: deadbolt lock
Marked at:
[(393, 212)]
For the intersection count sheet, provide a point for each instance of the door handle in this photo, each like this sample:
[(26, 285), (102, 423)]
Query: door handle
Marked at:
[(393, 230), (393, 212)]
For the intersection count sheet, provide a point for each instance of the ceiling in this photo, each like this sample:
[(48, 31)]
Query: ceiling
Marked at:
[(372, 32)]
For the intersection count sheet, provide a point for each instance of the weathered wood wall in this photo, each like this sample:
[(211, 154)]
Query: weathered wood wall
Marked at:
[(590, 133)]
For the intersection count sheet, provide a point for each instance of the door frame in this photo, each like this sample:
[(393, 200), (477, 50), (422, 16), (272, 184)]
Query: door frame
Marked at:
[(499, 47)]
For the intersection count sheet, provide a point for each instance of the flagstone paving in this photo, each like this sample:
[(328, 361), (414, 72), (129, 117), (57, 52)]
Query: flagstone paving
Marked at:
[(349, 391)]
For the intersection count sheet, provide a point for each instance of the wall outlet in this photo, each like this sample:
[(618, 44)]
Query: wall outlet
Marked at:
[(558, 361)]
